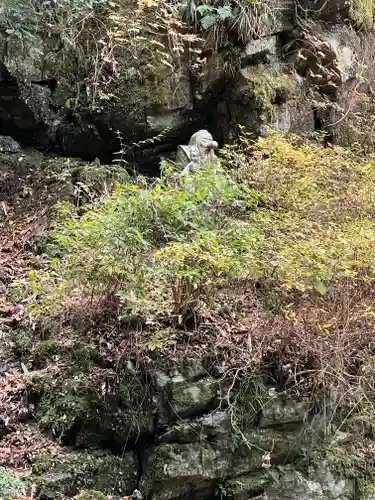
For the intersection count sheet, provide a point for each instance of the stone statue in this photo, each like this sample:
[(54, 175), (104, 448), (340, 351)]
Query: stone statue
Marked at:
[(198, 152)]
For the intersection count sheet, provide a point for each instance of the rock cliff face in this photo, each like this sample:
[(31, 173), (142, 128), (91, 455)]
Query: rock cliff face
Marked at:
[(184, 439), (300, 68), (173, 433)]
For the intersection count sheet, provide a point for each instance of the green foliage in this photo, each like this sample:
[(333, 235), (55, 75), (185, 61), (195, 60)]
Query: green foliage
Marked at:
[(10, 486), (38, 384), (321, 227), (83, 357), (43, 462), (87, 41), (294, 216), (247, 400), (246, 19), (210, 15), (159, 341), (23, 343), (156, 248), (46, 349), (21, 19), (362, 12)]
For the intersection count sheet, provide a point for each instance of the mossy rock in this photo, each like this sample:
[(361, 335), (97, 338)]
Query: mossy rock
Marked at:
[(183, 398), (173, 470), (267, 86), (102, 472), (77, 410), (250, 485), (131, 413), (65, 403)]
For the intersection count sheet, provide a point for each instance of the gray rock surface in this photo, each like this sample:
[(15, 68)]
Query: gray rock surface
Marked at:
[(9, 145), (172, 470), (190, 398), (322, 484), (283, 410)]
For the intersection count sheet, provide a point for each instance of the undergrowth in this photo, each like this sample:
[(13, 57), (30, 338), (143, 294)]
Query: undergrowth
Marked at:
[(275, 248), (220, 20), (152, 248)]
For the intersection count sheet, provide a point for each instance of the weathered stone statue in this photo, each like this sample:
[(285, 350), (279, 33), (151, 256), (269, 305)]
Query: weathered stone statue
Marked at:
[(200, 151)]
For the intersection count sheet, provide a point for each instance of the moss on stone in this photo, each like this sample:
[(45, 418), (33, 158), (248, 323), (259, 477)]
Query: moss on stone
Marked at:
[(65, 404), (350, 459), (101, 472), (180, 468), (155, 474), (188, 398), (151, 81), (268, 87), (120, 412), (250, 485)]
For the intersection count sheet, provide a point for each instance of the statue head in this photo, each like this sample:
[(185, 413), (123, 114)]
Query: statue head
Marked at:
[(204, 142)]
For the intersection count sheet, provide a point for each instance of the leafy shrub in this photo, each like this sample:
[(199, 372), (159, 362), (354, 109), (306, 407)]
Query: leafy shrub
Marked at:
[(155, 248), (211, 15), (46, 349), (42, 462), (22, 19), (294, 217), (10, 486), (23, 343), (272, 253), (320, 228)]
